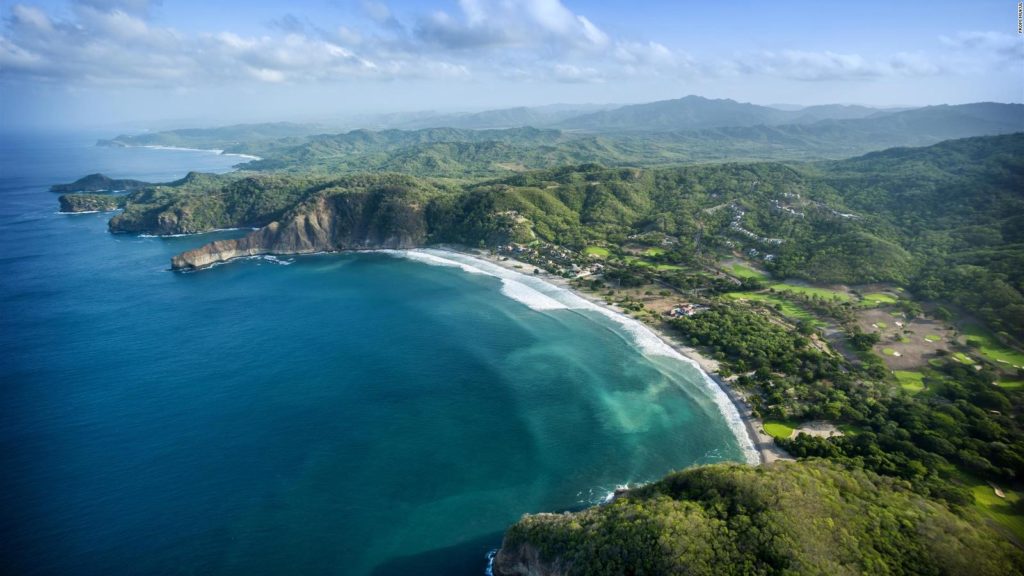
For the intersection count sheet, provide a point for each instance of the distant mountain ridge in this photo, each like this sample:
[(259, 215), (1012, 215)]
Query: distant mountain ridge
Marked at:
[(697, 113), (686, 130)]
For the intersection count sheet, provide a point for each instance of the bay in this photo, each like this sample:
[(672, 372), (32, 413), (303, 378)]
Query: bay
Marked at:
[(329, 414)]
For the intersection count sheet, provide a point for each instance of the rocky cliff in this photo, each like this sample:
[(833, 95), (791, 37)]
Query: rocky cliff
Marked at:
[(381, 218), (525, 560)]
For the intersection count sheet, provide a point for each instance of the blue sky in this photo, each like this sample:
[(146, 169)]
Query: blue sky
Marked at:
[(95, 62)]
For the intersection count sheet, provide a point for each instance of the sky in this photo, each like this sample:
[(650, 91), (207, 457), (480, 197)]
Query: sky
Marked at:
[(169, 63)]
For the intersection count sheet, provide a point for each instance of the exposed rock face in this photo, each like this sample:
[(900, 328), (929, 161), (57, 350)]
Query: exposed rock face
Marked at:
[(376, 219), (90, 202), (98, 182), (523, 560)]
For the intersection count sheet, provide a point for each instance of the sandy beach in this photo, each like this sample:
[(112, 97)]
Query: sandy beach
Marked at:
[(765, 446)]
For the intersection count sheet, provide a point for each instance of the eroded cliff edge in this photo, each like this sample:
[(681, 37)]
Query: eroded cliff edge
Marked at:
[(383, 218)]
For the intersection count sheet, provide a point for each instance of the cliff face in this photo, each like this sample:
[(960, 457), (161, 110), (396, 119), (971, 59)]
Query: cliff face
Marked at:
[(370, 220), (524, 560)]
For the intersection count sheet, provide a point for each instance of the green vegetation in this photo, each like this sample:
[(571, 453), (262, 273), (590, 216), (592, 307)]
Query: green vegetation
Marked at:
[(91, 202), (963, 422), (1004, 511), (811, 291), (746, 272), (991, 348), (945, 222), (912, 217), (912, 382), (933, 338), (797, 518), (784, 307), (879, 298), (888, 351), (778, 429), (962, 358)]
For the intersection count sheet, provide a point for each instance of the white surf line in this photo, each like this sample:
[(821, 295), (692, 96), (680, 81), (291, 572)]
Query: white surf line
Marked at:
[(538, 294), (184, 149)]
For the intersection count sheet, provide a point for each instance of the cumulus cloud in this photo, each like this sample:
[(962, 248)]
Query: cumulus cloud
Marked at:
[(118, 42), (106, 44), (996, 45), (829, 66), (490, 23)]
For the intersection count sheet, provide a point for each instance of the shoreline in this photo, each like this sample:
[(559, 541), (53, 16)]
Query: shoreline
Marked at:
[(763, 444), (760, 442), (247, 157)]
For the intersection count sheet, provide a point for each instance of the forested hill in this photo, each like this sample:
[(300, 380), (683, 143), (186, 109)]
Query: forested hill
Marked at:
[(958, 208), (812, 518), (943, 221), (662, 133)]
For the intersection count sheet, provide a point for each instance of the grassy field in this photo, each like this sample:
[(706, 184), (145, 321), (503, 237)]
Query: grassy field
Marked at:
[(636, 260), (654, 252), (888, 351), (933, 338), (998, 509), (596, 251), (881, 325), (992, 348), (1011, 384), (811, 291), (745, 272), (778, 429), (879, 298), (785, 307), (912, 382), (962, 358)]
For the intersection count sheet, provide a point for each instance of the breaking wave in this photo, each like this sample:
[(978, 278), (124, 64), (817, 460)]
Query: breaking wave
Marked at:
[(541, 295)]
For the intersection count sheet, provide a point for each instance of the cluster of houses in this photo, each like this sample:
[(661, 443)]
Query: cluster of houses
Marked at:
[(552, 258), (736, 226), (686, 309)]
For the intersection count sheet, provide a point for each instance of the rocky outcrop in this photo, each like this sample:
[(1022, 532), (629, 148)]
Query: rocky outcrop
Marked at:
[(90, 202), (524, 560), (99, 182), (379, 218)]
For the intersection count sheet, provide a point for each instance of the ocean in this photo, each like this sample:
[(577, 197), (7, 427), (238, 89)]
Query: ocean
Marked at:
[(365, 414)]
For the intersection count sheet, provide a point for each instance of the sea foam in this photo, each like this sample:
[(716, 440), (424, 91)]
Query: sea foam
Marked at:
[(541, 295)]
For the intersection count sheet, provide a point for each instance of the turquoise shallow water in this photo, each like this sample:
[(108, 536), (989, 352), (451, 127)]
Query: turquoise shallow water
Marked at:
[(342, 414)]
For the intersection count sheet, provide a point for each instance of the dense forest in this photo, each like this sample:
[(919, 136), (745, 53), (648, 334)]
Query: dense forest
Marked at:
[(808, 518)]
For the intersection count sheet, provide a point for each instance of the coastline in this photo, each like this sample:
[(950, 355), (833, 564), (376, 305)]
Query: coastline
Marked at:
[(248, 157), (760, 444), (763, 444)]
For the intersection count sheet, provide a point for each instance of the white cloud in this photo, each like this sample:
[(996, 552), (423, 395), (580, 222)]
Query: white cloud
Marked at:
[(995, 45), (117, 42), (827, 65), (30, 17), (112, 46), (570, 73), (525, 25)]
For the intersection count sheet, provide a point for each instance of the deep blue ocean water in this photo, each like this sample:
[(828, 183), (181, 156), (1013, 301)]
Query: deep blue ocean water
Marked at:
[(342, 414)]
